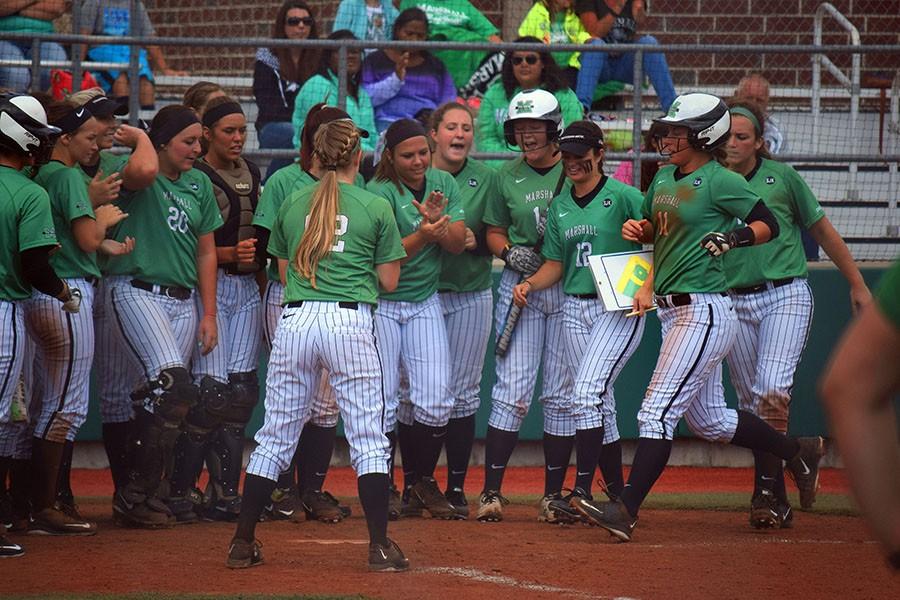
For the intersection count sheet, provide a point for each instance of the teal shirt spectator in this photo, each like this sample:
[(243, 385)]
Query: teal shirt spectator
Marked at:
[(321, 88), (352, 15)]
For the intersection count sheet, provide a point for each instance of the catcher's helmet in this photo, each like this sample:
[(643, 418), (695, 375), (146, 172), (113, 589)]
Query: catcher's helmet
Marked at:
[(705, 116), (539, 105), (23, 125)]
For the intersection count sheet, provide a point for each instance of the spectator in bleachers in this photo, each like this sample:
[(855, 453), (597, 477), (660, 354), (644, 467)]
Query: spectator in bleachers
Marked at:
[(617, 22), (556, 22), (755, 87), (456, 21), (197, 96), (366, 19), (279, 74), (113, 17), (522, 70), (28, 16), (323, 87), (404, 83)]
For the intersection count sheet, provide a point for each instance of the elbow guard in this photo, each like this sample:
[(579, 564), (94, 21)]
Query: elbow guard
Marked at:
[(762, 213)]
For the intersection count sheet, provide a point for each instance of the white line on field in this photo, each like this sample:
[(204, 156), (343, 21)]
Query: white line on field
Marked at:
[(330, 542), (733, 543), (477, 575)]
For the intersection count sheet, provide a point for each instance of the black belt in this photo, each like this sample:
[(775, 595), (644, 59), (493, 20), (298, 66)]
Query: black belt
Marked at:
[(169, 291), (233, 269), (585, 296), (299, 303), (755, 289), (675, 300)]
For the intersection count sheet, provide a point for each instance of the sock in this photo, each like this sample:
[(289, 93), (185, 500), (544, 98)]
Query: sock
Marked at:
[(373, 495), (46, 457), (588, 445), (498, 447), (557, 454), (458, 444), (5, 462), (257, 494), (116, 441), (406, 440), (649, 462), (430, 441), (780, 491), (392, 449), (64, 478), (754, 433), (286, 479), (317, 445), (766, 469), (21, 484), (611, 468), (298, 468)]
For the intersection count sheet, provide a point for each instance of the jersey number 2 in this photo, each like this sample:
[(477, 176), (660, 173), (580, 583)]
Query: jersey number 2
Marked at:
[(342, 223)]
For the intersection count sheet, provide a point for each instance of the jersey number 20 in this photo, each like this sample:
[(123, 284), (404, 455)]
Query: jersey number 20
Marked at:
[(342, 223)]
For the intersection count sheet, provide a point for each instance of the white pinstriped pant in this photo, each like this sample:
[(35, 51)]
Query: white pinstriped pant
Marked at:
[(325, 411), (63, 359), (695, 340), (155, 331), (239, 322), (414, 334), (538, 341), (600, 343), (116, 374), (12, 359), (310, 338), (773, 326), (467, 316)]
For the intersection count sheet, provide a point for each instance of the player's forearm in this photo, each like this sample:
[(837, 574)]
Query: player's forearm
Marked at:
[(226, 254), (455, 240), (496, 240), (831, 241), (413, 243), (39, 273), (549, 273), (142, 167), (206, 273)]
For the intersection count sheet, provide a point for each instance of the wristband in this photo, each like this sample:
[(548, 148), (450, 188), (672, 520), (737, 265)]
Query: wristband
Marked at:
[(741, 238), (505, 251)]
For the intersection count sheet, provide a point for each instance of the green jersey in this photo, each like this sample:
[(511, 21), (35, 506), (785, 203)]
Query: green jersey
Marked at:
[(166, 221), (522, 201), (278, 188), (794, 207), (683, 209), (366, 236), (419, 276), (575, 233), (68, 201), (887, 296), (25, 223), (468, 272), (109, 163)]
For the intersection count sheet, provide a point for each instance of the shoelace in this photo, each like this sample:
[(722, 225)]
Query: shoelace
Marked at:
[(492, 495)]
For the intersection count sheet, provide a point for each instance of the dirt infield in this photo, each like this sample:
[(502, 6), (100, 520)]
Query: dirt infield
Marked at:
[(675, 554)]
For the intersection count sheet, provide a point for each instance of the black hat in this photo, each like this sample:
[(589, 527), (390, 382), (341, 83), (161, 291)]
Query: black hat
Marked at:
[(580, 137), (103, 107)]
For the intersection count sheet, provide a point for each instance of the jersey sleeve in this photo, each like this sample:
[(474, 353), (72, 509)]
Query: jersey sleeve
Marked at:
[(35, 221), (75, 202), (646, 210), (552, 248), (269, 202), (454, 204), (634, 202), (496, 211), (806, 205), (389, 245), (210, 216), (278, 240), (734, 196)]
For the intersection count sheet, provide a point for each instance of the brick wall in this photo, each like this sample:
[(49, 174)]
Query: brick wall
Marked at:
[(671, 21)]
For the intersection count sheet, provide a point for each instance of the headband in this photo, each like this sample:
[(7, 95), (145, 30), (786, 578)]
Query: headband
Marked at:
[(214, 114), (180, 120), (743, 112), (72, 120), (401, 131)]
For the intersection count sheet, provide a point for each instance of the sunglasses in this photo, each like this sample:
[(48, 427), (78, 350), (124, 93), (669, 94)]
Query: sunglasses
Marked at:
[(295, 21), (531, 59)]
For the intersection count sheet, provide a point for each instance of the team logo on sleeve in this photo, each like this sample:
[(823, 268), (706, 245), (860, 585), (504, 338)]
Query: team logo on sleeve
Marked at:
[(770, 180), (472, 182), (195, 187), (698, 182), (607, 202)]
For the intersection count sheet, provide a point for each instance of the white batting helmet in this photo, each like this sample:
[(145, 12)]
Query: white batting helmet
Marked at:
[(705, 116), (23, 125), (539, 105)]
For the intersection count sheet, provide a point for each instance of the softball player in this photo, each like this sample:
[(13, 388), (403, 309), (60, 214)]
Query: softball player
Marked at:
[(690, 202), (464, 289), (105, 174), (65, 342), (226, 376), (332, 277), (587, 220), (773, 301), (409, 322), (26, 231), (151, 303), (527, 185), (316, 444)]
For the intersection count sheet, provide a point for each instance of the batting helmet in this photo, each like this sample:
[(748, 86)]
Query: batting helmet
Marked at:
[(539, 105), (705, 116), (23, 126)]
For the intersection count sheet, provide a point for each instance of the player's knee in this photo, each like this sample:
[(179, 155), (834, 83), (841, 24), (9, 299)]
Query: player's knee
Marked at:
[(171, 395)]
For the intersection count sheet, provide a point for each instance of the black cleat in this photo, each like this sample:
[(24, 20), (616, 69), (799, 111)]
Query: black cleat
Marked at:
[(387, 558)]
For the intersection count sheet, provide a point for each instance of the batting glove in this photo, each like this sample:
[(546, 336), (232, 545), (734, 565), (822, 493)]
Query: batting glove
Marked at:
[(523, 259), (717, 244), (73, 304)]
